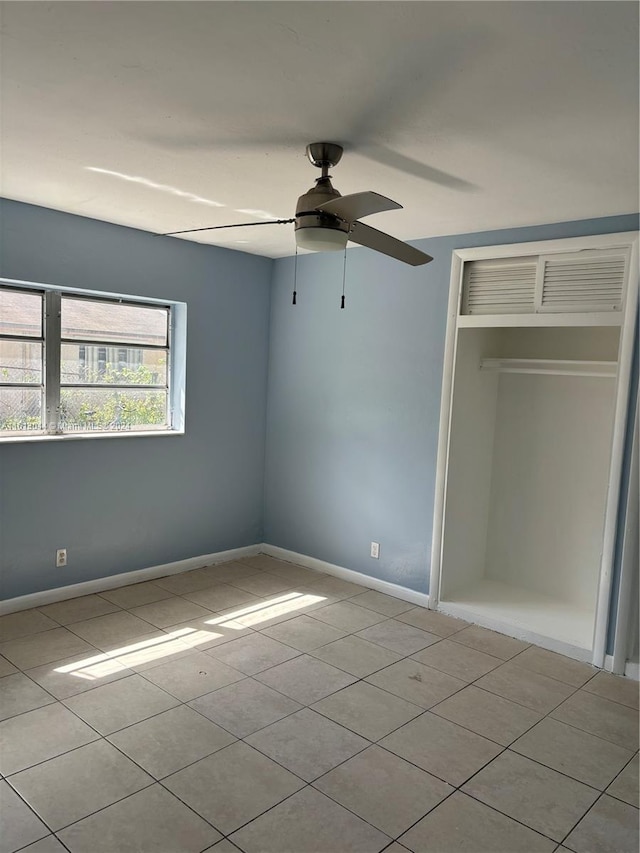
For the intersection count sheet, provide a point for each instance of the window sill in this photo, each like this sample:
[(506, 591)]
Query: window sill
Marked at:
[(72, 436)]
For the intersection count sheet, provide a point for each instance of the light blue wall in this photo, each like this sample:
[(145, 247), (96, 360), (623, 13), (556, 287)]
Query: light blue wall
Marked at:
[(127, 503), (353, 408), (354, 401)]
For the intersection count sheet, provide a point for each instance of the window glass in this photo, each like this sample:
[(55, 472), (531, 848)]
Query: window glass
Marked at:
[(120, 402), (20, 313), (91, 365), (112, 409), (20, 362), (20, 410), (94, 320)]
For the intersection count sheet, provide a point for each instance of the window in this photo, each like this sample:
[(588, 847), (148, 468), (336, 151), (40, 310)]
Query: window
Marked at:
[(74, 363), (21, 360)]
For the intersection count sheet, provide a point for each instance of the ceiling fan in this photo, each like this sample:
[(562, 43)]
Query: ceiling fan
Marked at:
[(325, 220)]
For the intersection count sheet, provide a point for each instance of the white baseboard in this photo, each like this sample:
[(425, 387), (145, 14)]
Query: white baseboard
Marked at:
[(61, 593), (401, 592), (631, 670), (421, 599)]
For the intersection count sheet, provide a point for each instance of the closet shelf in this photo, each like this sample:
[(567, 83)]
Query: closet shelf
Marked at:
[(550, 366)]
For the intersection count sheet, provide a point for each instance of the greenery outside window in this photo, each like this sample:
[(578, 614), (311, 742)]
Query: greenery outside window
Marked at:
[(76, 363)]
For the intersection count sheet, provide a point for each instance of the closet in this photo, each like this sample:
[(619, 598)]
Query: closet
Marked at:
[(535, 392)]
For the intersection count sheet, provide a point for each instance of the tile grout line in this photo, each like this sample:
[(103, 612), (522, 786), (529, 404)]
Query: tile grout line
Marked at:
[(543, 717), (618, 774), (503, 750), (376, 743), (584, 663), (37, 708), (306, 784), (25, 849), (359, 680), (455, 788), (104, 738), (575, 825), (7, 778), (508, 748), (141, 673), (480, 769), (155, 781)]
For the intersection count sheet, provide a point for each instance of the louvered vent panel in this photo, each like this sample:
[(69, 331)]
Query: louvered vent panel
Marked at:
[(499, 287), (584, 282)]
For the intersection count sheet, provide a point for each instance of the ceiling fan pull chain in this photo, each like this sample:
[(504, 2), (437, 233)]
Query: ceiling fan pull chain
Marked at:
[(295, 276), (344, 270)]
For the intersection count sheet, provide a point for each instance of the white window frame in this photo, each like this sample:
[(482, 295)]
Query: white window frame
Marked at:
[(52, 345)]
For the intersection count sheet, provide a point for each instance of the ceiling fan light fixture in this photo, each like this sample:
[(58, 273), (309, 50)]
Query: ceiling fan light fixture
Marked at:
[(322, 239)]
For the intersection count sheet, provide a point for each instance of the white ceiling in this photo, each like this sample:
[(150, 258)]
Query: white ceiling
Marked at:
[(170, 115)]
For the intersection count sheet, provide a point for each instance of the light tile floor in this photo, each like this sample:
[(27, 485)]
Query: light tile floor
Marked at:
[(262, 707)]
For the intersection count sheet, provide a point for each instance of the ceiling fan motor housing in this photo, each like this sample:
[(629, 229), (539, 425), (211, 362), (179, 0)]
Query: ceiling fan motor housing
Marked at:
[(316, 230)]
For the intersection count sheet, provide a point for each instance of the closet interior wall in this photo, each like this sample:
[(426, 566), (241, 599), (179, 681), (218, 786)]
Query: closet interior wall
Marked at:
[(528, 474)]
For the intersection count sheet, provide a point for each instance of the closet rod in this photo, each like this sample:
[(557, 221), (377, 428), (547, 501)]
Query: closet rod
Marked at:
[(550, 366)]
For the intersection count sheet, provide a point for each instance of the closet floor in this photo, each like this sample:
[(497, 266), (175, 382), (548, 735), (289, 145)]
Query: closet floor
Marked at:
[(523, 609), (262, 707)]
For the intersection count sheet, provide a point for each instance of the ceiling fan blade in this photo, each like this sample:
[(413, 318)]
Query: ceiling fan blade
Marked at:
[(364, 235), (357, 205), (235, 225)]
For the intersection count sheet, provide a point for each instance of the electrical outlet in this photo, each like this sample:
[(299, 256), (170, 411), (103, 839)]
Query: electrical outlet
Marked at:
[(61, 557), (375, 550)]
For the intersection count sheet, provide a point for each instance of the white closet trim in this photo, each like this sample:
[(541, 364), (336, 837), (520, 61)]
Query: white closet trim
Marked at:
[(622, 239), (623, 385), (627, 601)]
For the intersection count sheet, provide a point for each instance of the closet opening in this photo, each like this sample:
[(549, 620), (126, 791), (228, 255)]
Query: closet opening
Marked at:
[(531, 429), (535, 394)]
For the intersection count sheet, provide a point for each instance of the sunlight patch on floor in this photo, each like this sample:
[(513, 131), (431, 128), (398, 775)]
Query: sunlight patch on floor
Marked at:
[(108, 663), (257, 613)]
